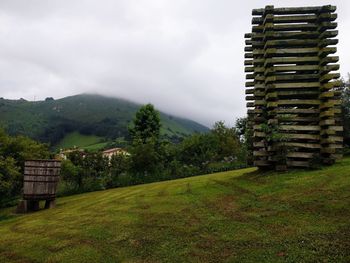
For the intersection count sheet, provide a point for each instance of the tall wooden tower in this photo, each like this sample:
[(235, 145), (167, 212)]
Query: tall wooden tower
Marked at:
[(292, 86)]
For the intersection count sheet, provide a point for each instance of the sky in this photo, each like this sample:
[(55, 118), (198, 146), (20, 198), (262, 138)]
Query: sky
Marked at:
[(184, 56)]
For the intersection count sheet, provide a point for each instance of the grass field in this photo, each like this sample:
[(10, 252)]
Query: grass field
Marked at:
[(237, 216), (75, 139)]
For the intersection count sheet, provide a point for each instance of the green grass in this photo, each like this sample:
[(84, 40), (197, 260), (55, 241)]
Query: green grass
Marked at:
[(76, 139), (236, 216), (96, 147)]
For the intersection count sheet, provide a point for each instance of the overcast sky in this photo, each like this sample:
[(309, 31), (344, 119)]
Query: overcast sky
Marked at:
[(184, 56)]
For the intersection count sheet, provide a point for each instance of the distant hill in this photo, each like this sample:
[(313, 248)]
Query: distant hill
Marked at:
[(91, 116)]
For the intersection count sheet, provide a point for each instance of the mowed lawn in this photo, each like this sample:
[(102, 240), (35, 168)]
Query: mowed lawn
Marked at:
[(237, 216)]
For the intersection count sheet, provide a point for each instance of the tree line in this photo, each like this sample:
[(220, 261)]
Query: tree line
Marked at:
[(154, 158)]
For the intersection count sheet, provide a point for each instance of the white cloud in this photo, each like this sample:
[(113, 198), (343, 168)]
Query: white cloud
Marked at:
[(186, 57)]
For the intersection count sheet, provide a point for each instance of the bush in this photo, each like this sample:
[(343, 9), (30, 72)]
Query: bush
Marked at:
[(13, 152), (10, 180)]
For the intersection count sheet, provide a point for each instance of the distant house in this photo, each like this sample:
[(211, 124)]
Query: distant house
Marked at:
[(64, 153), (114, 151)]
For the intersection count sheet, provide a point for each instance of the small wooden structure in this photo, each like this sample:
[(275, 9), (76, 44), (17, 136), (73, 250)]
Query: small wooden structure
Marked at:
[(292, 89), (40, 183)]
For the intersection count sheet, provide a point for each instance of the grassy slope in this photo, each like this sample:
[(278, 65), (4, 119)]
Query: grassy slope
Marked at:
[(78, 140), (237, 216)]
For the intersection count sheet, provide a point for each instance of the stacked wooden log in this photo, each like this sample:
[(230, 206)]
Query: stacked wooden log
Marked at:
[(292, 89)]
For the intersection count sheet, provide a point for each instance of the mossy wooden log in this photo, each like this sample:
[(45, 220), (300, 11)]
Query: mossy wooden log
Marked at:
[(290, 69), (304, 155), (260, 153), (300, 136), (298, 163), (303, 145)]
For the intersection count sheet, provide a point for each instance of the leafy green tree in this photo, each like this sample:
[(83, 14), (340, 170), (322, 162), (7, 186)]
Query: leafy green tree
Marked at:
[(146, 124), (10, 179), (118, 166), (227, 144), (241, 127), (88, 170), (72, 174), (198, 150), (245, 133), (145, 159), (22, 148), (345, 107), (13, 152), (145, 150)]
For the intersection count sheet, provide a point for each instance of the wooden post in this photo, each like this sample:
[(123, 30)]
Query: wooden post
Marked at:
[(50, 204), (22, 207), (33, 205)]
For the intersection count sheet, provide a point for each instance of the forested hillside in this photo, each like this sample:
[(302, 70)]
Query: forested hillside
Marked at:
[(51, 120)]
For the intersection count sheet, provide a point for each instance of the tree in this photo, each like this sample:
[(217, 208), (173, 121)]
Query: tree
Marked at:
[(228, 144), (146, 124), (198, 150), (145, 159), (13, 152), (345, 107), (71, 174), (245, 133), (22, 148), (85, 170), (10, 179), (145, 133), (118, 165), (241, 127)]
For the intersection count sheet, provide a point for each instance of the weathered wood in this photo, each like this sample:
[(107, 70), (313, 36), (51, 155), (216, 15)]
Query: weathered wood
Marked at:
[(299, 111), (297, 27), (304, 155), (262, 163), (293, 35), (294, 43), (50, 204), (327, 122), (294, 85), (296, 93), (260, 153), (292, 77), (331, 85), (299, 128), (285, 52), (259, 144), (291, 71), (296, 102), (40, 181), (249, 91), (328, 77), (303, 145), (298, 68), (284, 19), (300, 136), (298, 163)]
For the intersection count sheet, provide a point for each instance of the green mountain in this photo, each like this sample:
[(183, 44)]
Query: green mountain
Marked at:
[(235, 216), (82, 119)]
